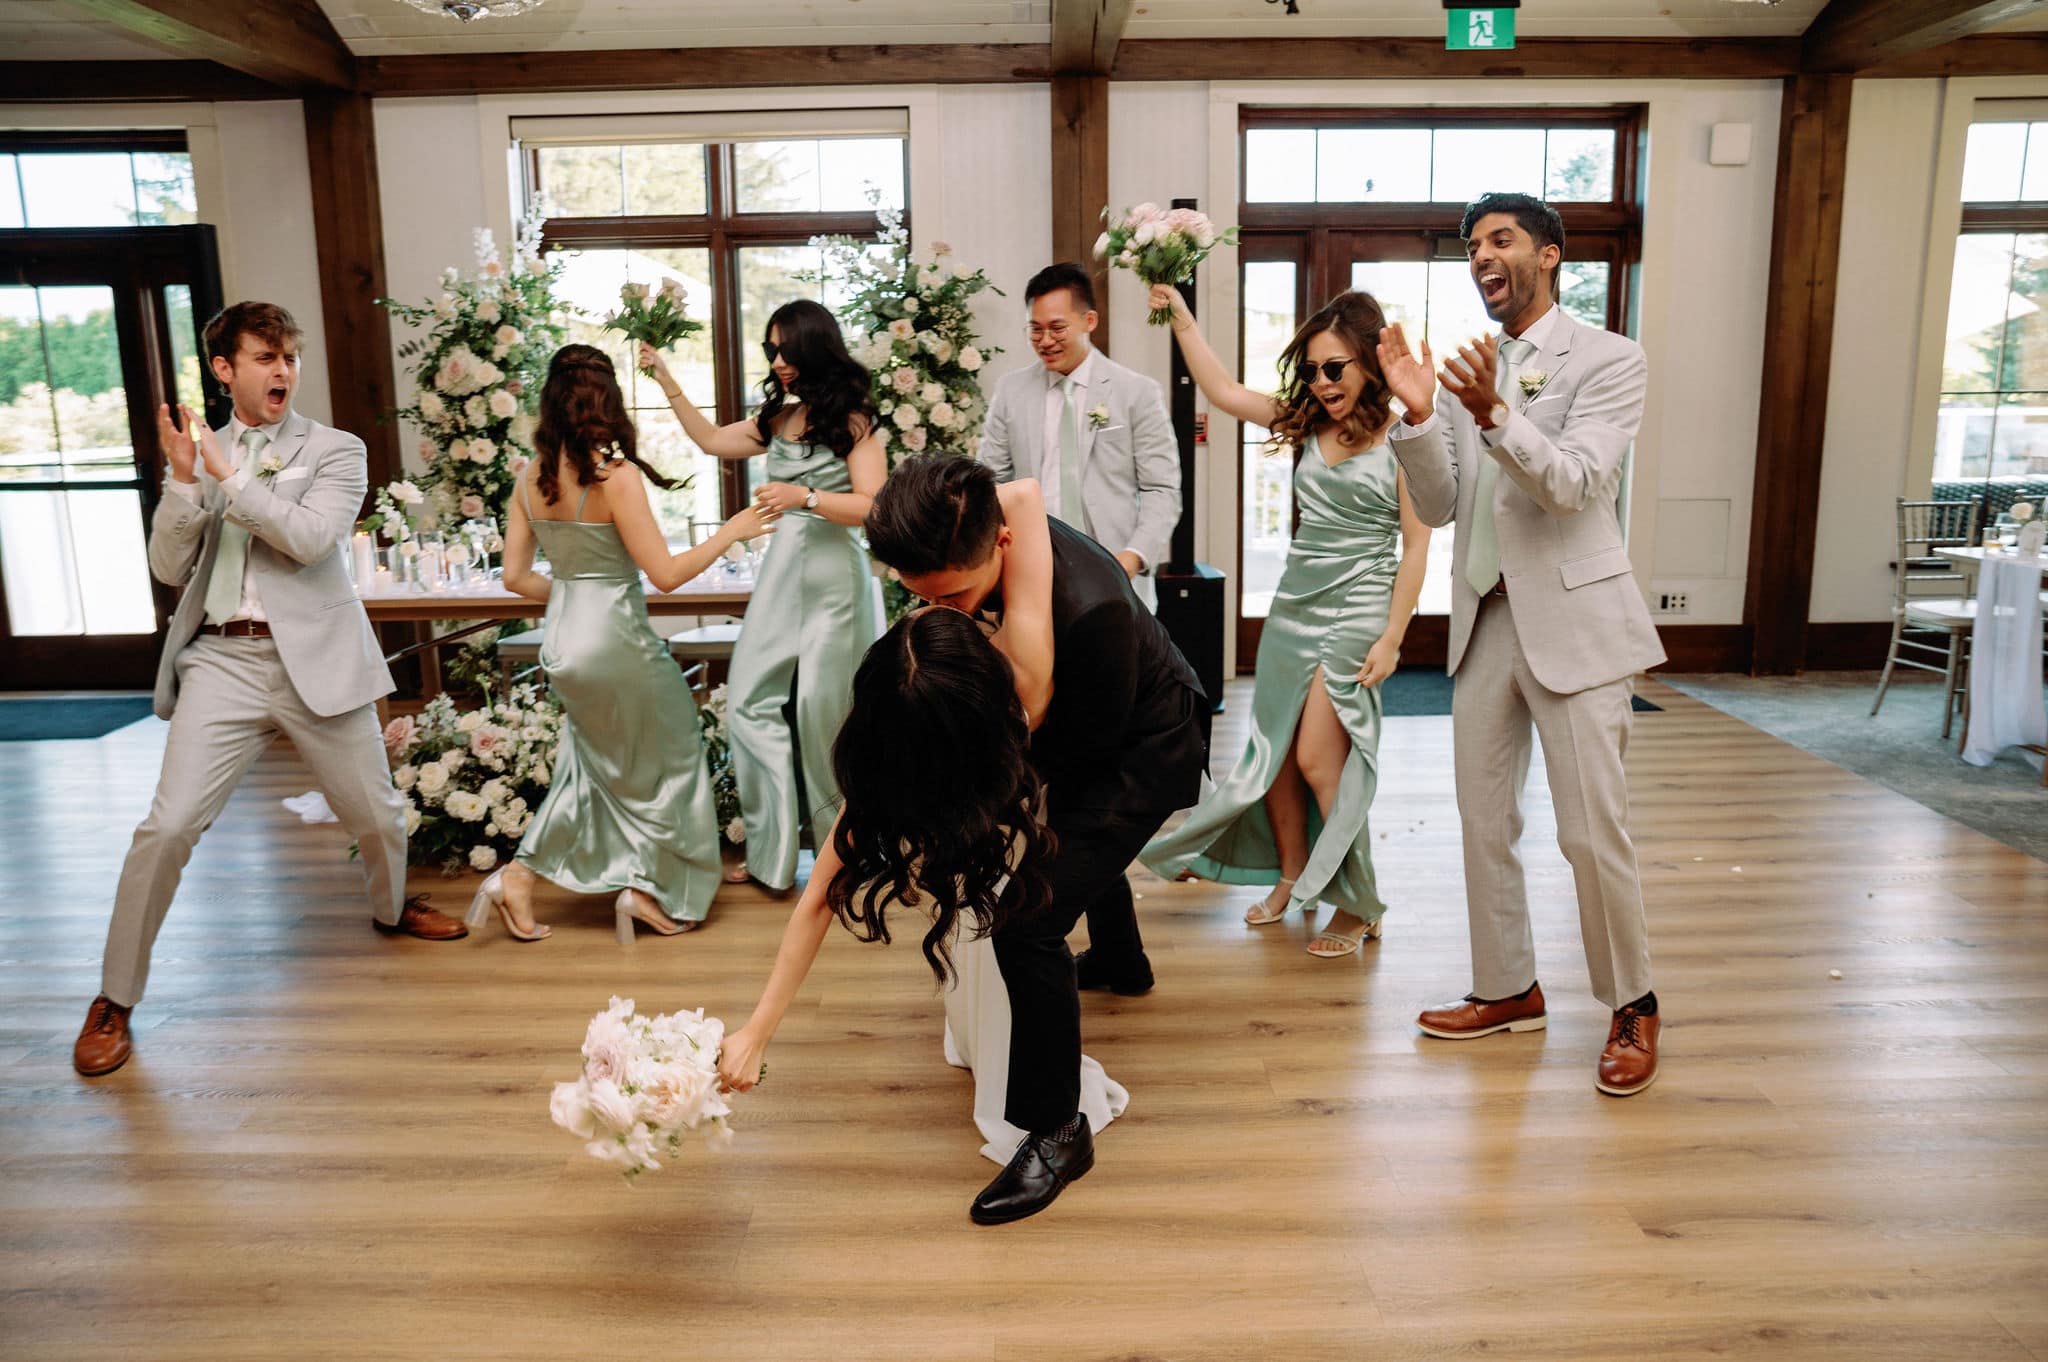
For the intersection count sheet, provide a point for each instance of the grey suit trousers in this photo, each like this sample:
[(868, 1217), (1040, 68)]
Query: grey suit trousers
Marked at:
[(1584, 736), (234, 699)]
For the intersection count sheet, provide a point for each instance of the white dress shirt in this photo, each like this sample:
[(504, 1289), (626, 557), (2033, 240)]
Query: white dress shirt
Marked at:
[(252, 600), (1049, 477)]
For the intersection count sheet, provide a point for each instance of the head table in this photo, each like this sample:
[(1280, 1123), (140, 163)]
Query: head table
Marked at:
[(2004, 704), (718, 591)]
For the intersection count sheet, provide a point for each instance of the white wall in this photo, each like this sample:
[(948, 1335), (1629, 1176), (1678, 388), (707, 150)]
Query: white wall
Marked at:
[(249, 172)]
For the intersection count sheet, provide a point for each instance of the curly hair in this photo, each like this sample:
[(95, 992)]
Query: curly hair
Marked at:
[(835, 385), (941, 799), (582, 416), (1354, 318)]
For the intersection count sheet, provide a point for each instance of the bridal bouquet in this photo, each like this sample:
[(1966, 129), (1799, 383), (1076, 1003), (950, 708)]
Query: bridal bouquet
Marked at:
[(653, 315), (647, 1084), (1160, 247)]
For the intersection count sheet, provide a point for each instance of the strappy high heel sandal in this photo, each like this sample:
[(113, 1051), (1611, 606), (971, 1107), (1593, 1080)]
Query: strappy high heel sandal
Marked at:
[(1258, 915), (491, 894), (626, 913), (1369, 931)]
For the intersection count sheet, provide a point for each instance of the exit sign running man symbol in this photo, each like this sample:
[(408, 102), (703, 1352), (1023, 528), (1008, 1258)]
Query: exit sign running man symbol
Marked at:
[(1473, 29)]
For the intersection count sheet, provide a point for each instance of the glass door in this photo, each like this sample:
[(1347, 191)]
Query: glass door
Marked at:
[(96, 329)]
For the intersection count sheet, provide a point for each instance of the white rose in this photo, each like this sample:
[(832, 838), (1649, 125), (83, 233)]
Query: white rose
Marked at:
[(612, 1108), (487, 374), (943, 416), (901, 329), (487, 311), (406, 493), (432, 407), (915, 440), (736, 831), (475, 411), (970, 358), (483, 857), (508, 335), (932, 392), (404, 776), (1102, 246), (449, 276), (570, 1111), (903, 380), (910, 306), (905, 417), (444, 307), (471, 722), (885, 406), (494, 791), (454, 757), (504, 405), (466, 805), (541, 775), (962, 272), (482, 451), (412, 818), (942, 350), (631, 293), (433, 779)]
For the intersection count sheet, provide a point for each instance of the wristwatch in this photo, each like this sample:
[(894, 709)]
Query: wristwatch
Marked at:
[(1497, 416), (811, 499)]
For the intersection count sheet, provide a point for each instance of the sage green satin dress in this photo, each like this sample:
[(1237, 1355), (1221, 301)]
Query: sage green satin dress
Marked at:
[(1330, 608), (630, 806), (815, 610)]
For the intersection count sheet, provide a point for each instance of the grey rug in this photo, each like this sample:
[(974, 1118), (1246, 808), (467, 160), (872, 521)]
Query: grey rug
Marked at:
[(1828, 714)]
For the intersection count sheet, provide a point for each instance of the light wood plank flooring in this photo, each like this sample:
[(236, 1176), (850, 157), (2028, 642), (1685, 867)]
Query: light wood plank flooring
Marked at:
[(334, 1145)]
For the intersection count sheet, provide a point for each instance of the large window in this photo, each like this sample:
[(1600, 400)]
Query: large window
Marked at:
[(731, 220), (94, 180), (1342, 199), (1991, 437)]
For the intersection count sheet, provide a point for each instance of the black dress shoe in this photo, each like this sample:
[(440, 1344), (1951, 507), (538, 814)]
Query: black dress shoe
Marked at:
[(1128, 980), (1037, 1173)]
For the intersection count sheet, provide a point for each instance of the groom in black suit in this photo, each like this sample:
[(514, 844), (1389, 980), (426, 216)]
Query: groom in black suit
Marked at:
[(1120, 749)]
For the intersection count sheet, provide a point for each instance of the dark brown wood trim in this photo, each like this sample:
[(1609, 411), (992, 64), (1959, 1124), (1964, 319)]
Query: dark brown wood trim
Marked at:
[(1799, 327), (108, 82), (1850, 35), (1425, 58), (1704, 647), (1992, 54), (2002, 217), (1847, 647), (348, 231), (1080, 176), (286, 42), (1085, 34), (705, 68)]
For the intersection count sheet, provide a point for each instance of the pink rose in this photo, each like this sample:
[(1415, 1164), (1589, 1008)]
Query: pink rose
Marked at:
[(471, 506), (398, 734), (515, 387), (604, 1064), (516, 465)]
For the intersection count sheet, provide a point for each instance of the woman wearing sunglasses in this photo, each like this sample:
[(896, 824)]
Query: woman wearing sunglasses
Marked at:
[(1292, 813), (815, 608)]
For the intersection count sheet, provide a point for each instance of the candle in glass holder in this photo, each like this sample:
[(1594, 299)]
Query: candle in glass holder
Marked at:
[(362, 558)]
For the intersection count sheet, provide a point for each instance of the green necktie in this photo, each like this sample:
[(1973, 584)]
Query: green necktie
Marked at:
[(224, 588), (1072, 509), (1482, 552)]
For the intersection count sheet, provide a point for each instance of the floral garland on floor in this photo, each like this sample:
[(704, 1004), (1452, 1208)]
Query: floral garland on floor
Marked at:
[(478, 371), (725, 787), (471, 780)]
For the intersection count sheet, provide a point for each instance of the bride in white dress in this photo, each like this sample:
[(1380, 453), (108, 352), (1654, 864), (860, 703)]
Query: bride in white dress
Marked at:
[(949, 825)]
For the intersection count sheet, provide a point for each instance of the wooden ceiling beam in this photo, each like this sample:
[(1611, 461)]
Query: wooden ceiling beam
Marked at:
[(1854, 35), (288, 43), (1426, 59), (1085, 34), (1993, 54), (710, 68), (102, 82)]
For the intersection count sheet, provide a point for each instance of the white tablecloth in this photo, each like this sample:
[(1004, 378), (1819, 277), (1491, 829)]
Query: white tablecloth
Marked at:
[(2007, 702)]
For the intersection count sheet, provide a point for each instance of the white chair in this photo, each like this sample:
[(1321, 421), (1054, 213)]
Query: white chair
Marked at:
[(706, 643), (1931, 624)]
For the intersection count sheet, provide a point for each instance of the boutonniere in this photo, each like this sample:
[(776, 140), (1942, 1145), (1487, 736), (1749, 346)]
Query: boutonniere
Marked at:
[(270, 466), (1098, 418), (1532, 383)]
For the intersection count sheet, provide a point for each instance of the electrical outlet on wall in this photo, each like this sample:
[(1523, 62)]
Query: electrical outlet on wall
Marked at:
[(1671, 603)]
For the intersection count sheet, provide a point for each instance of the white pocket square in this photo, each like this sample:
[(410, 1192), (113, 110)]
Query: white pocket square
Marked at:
[(293, 474)]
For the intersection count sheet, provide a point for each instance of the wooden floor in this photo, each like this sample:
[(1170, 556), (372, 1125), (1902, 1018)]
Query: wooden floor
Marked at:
[(334, 1145)]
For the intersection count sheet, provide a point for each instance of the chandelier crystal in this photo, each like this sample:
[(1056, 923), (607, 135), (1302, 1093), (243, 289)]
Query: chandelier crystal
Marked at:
[(467, 10)]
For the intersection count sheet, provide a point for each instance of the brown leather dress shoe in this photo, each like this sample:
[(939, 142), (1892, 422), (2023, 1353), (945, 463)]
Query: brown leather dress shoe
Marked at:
[(1471, 1017), (1629, 1063), (104, 1044), (428, 924)]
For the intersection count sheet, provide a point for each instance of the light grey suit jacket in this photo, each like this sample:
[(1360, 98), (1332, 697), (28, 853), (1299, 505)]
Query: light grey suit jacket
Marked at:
[(1130, 469), (1571, 588), (299, 520)]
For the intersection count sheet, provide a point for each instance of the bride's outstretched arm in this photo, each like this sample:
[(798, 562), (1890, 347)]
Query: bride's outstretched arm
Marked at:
[(1026, 636), (739, 1059)]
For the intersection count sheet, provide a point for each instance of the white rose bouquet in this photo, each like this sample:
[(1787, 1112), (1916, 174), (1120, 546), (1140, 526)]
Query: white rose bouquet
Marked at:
[(471, 780), (653, 315), (1160, 247), (648, 1084)]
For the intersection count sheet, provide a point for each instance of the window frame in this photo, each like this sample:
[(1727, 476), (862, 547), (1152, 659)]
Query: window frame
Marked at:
[(723, 231)]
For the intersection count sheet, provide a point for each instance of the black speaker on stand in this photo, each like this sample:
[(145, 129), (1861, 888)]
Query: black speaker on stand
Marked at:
[(1190, 593)]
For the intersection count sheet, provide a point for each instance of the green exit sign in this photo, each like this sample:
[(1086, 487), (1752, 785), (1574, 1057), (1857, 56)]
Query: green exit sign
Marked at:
[(1476, 29)]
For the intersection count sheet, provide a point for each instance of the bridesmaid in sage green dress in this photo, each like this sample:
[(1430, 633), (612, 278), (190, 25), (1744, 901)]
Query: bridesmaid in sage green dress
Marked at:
[(816, 606), (629, 808), (1333, 634)]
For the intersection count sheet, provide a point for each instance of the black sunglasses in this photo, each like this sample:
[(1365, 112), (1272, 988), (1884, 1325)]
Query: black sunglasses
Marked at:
[(1333, 369), (771, 350)]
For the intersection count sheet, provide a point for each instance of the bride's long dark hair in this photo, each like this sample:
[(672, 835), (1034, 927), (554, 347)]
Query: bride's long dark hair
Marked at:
[(941, 797), (829, 380)]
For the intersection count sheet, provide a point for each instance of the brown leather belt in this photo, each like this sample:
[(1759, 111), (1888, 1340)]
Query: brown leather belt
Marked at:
[(238, 629), (1500, 588)]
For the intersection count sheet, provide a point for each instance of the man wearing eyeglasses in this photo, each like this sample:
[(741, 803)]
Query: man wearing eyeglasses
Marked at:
[(1095, 434)]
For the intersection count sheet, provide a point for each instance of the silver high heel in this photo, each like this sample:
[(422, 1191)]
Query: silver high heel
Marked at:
[(625, 917), (491, 894), (1256, 916)]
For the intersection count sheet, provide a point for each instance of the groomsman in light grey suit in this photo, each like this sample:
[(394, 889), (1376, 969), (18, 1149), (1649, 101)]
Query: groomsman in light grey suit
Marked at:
[(268, 639), (1095, 434), (1547, 623)]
